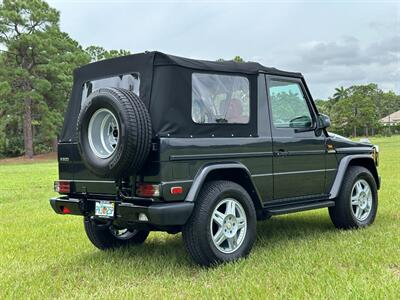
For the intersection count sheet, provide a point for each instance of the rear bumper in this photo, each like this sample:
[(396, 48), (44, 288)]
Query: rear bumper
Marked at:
[(159, 214)]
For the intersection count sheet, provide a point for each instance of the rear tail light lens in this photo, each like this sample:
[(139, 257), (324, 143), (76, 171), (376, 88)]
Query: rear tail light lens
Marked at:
[(147, 190), (176, 190), (62, 187), (65, 210)]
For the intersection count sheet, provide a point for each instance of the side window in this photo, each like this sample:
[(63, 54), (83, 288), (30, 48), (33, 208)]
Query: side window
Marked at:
[(288, 105), (130, 82), (220, 99)]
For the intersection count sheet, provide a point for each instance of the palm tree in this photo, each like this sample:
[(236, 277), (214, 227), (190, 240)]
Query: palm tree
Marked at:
[(340, 93)]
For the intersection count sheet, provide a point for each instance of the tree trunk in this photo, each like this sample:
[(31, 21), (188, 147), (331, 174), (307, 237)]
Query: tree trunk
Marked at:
[(54, 143), (366, 131), (355, 131), (28, 137)]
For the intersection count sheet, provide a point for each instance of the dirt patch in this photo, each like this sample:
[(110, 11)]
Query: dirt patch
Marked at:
[(395, 270), (52, 156)]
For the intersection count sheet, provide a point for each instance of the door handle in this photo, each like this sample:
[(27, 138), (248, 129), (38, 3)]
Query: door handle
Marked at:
[(281, 152)]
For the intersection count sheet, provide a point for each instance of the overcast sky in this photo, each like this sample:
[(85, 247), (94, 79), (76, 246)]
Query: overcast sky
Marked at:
[(332, 43)]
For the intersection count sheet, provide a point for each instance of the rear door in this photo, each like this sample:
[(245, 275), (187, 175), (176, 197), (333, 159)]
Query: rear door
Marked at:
[(298, 151)]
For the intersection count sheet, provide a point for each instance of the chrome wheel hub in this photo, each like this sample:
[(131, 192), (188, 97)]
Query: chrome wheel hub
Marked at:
[(103, 133), (228, 225), (361, 200)]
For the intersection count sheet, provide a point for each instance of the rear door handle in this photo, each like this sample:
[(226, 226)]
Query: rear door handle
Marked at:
[(281, 152)]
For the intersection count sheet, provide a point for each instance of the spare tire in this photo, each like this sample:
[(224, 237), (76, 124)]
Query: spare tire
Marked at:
[(114, 133)]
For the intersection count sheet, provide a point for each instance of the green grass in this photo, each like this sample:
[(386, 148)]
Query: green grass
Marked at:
[(44, 255)]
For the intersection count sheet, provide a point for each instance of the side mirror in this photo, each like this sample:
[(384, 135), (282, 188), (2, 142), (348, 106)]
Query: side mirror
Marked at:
[(323, 121), (300, 122)]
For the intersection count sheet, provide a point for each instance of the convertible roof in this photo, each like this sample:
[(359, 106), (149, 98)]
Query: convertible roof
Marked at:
[(162, 59), (173, 88)]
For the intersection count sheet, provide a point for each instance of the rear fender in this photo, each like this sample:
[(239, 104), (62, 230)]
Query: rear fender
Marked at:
[(235, 172)]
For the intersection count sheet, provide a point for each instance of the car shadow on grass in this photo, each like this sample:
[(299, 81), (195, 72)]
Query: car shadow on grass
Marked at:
[(167, 251), (160, 251), (293, 228)]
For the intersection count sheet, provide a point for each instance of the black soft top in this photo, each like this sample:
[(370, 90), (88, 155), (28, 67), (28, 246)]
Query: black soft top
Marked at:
[(162, 59), (165, 88)]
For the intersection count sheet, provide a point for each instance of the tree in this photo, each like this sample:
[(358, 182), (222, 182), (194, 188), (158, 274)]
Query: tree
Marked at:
[(22, 24), (237, 58), (389, 103), (97, 53), (67, 55), (37, 65), (360, 108), (340, 93), (324, 106)]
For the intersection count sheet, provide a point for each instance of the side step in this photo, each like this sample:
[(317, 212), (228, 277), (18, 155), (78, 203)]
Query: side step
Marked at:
[(296, 207)]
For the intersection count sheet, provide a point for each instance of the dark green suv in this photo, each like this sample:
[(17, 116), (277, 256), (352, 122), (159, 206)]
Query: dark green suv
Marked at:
[(158, 142)]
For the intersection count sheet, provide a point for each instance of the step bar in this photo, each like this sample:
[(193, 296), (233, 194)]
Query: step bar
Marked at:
[(297, 207)]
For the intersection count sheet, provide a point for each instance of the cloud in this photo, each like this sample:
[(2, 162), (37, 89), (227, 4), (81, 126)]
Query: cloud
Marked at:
[(387, 25), (343, 52), (347, 61), (385, 51), (332, 44), (348, 51)]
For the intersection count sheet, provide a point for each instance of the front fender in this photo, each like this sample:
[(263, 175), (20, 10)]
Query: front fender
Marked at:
[(352, 160)]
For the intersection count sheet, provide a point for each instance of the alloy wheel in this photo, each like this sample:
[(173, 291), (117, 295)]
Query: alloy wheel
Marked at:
[(361, 200), (228, 225)]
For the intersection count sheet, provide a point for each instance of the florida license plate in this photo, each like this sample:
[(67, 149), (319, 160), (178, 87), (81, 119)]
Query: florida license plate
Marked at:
[(104, 209)]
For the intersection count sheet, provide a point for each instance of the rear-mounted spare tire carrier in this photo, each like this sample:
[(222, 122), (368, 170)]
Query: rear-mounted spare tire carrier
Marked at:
[(133, 136)]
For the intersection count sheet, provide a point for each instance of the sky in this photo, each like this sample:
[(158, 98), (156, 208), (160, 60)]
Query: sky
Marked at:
[(333, 43)]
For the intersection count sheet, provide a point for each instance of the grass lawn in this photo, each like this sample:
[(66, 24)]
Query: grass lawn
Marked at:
[(295, 256)]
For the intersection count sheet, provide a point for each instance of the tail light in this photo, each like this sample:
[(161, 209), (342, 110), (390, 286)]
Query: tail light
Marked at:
[(62, 186), (176, 190), (65, 210), (147, 190)]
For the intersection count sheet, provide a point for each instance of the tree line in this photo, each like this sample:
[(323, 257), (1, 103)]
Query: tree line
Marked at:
[(357, 110), (37, 60), (36, 64)]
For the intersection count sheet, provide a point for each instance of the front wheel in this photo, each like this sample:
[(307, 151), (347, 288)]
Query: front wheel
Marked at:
[(106, 236), (223, 225), (357, 203)]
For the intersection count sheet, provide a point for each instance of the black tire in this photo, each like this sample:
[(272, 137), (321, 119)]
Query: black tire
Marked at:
[(342, 214), (102, 237), (134, 141), (196, 232)]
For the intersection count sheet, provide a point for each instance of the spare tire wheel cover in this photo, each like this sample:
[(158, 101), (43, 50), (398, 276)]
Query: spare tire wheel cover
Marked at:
[(108, 133)]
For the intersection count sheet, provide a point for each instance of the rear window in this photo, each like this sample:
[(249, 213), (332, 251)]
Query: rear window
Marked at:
[(220, 99), (129, 82)]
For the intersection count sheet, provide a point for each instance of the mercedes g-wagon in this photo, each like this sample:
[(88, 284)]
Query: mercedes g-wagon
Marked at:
[(157, 142)]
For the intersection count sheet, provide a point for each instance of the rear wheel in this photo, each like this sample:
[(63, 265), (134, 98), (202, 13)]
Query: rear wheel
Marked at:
[(223, 225), (357, 203), (106, 236)]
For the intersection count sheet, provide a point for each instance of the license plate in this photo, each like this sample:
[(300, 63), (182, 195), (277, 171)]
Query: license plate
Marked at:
[(104, 209)]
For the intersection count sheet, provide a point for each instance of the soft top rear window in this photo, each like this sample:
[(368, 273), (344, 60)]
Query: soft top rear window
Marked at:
[(129, 82), (220, 99)]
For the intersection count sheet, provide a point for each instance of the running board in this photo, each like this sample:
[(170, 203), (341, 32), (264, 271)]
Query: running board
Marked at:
[(292, 208)]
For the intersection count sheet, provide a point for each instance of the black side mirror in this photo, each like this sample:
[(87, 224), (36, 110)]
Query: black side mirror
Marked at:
[(300, 122), (323, 121)]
